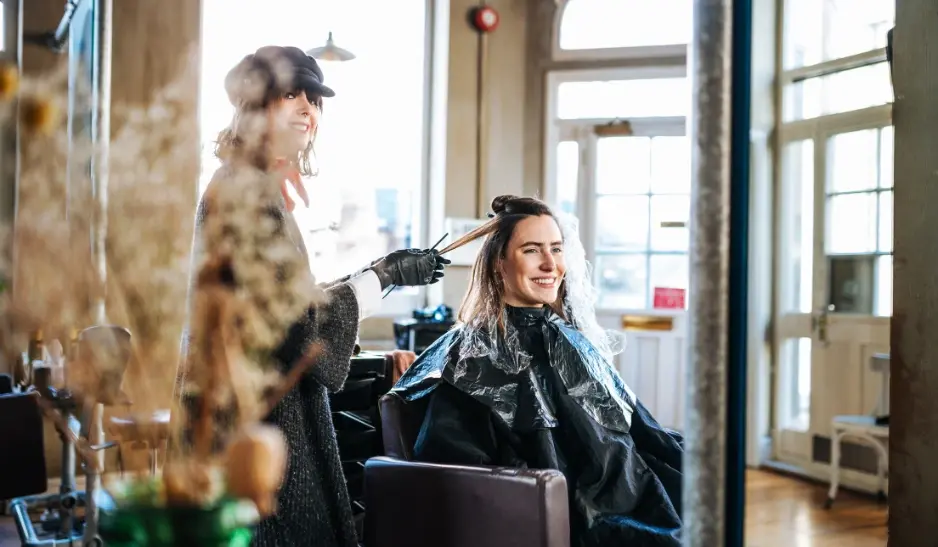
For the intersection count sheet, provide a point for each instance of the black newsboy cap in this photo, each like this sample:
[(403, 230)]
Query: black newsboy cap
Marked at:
[(272, 71)]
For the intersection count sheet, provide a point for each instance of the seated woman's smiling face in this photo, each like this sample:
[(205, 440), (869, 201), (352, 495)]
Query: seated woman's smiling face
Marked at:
[(533, 266)]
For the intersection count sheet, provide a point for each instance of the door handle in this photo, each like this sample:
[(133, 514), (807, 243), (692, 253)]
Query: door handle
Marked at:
[(820, 327), (820, 323)]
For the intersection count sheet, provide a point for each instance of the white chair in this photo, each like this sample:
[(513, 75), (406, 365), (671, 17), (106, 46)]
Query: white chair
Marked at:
[(870, 430)]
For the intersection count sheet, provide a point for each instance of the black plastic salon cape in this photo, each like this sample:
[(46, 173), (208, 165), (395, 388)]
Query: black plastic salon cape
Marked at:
[(553, 402)]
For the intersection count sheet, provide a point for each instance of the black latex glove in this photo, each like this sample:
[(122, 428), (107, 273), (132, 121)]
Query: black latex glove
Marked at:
[(410, 267)]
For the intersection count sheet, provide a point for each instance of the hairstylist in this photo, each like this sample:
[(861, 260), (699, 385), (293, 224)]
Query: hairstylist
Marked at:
[(278, 96)]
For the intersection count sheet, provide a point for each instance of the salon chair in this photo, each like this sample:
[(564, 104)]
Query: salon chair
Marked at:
[(22, 461), (355, 416), (6, 384), (417, 504), (25, 479)]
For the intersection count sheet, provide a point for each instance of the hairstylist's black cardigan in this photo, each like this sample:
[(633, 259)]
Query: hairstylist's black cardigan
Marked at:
[(313, 502)]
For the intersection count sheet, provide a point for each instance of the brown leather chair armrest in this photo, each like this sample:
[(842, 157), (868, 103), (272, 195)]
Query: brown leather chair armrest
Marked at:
[(400, 425), (413, 504)]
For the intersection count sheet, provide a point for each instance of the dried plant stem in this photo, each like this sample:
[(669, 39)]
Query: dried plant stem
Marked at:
[(216, 357), (473, 235)]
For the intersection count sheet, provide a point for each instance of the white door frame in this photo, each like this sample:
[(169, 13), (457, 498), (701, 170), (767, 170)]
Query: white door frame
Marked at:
[(800, 324)]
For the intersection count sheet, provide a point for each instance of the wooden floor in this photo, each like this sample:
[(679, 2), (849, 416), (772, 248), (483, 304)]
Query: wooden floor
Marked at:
[(787, 512), (780, 512)]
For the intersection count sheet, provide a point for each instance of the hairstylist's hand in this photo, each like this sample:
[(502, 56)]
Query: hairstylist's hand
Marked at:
[(410, 267)]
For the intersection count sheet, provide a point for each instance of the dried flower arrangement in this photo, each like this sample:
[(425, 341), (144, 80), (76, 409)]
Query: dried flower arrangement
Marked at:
[(235, 324)]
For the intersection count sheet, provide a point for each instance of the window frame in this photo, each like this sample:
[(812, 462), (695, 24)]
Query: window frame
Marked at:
[(611, 53), (557, 130), (819, 131), (618, 63), (581, 131), (790, 319)]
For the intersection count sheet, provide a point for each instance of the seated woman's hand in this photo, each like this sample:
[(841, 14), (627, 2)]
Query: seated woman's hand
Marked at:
[(409, 268)]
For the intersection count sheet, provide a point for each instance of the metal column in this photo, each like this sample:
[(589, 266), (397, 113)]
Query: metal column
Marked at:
[(101, 128), (705, 422)]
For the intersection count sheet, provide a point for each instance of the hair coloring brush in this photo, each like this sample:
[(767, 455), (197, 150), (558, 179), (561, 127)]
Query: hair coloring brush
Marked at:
[(435, 245)]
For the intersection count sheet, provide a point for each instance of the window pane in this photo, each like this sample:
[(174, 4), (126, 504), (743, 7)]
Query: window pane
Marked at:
[(568, 168), (853, 160), (623, 98), (820, 30), (670, 216), (851, 222), (884, 286), (622, 165), (885, 222), (669, 272), (796, 384), (670, 165), (851, 286), (886, 157), (588, 24), (797, 227), (622, 223), (841, 92), (623, 281)]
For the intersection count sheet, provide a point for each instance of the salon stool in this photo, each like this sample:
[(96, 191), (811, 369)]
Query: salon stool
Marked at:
[(866, 430), (872, 430)]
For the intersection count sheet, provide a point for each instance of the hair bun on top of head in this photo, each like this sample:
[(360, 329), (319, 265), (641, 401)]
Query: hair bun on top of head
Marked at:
[(515, 205), (500, 204), (272, 71)]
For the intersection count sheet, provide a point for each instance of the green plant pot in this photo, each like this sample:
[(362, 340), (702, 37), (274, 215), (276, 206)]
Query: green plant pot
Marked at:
[(228, 524)]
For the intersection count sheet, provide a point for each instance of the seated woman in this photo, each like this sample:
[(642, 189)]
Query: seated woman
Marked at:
[(525, 380)]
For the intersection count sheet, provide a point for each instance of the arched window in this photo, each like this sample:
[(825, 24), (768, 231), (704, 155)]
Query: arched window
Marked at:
[(618, 24)]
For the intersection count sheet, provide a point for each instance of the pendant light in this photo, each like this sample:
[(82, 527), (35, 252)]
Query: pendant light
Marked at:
[(330, 52)]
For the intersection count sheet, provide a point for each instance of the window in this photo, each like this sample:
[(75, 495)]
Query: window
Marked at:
[(636, 195), (838, 92), (642, 215), (568, 170), (631, 191), (370, 146), (601, 24), (834, 56), (624, 98), (859, 221), (795, 360), (822, 30), (837, 95), (797, 227)]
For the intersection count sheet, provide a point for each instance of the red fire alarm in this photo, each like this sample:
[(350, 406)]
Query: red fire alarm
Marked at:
[(484, 18)]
